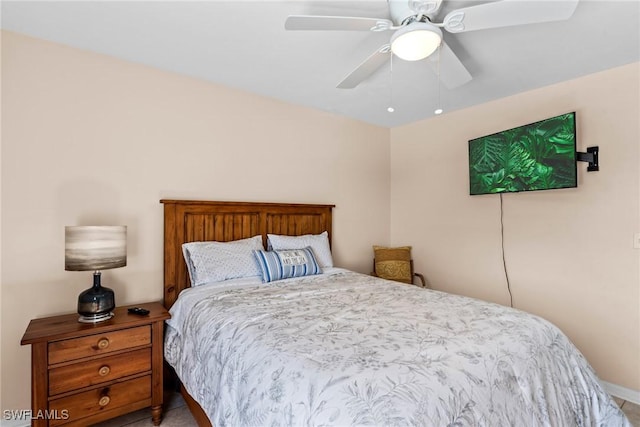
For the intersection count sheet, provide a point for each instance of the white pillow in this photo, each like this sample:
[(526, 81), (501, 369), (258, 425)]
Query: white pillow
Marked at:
[(318, 242), (217, 261)]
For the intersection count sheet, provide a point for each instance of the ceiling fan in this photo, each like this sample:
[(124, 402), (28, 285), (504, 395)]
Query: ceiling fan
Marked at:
[(417, 35)]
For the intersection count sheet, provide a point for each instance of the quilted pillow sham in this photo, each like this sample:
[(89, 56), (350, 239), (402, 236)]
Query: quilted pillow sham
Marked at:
[(319, 243), (285, 264), (217, 261)]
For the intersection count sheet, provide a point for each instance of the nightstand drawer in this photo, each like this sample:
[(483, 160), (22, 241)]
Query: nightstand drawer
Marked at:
[(103, 399), (71, 349), (92, 372)]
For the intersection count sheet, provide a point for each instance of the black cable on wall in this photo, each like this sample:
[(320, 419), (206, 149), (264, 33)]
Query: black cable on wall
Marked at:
[(504, 262)]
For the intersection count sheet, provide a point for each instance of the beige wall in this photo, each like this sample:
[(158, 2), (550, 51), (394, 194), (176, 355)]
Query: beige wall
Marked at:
[(87, 139), (569, 253)]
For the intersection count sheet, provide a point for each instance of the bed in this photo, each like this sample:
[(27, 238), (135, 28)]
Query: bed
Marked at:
[(342, 348)]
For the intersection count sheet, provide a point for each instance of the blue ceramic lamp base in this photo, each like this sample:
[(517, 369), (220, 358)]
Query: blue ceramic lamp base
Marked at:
[(96, 304)]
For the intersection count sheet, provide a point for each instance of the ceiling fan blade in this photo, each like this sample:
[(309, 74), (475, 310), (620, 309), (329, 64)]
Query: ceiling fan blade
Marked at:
[(364, 70), (452, 72), (507, 13), (335, 23)]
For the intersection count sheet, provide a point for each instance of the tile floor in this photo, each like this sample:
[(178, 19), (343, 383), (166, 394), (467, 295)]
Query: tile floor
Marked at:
[(177, 415), (631, 410)]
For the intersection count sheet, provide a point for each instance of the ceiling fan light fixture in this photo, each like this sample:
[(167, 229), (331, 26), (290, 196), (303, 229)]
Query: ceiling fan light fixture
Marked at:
[(416, 41)]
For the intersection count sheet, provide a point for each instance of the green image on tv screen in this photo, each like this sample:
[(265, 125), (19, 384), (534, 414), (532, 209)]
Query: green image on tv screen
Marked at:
[(537, 156)]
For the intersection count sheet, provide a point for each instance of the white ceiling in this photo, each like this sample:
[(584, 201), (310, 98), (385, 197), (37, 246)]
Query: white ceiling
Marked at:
[(243, 44)]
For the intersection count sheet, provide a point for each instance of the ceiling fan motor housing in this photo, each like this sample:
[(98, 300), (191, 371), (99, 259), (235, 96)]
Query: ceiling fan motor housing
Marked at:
[(403, 12)]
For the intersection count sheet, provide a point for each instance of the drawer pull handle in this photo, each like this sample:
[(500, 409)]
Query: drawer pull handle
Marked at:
[(103, 343), (104, 401), (104, 370)]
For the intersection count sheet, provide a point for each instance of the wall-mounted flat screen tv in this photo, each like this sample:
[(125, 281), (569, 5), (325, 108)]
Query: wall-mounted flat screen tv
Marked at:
[(537, 156)]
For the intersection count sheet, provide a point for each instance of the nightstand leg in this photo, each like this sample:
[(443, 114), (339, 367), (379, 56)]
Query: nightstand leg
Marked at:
[(157, 386), (39, 382), (156, 415)]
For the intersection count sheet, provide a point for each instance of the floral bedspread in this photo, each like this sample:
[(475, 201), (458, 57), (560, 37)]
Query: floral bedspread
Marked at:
[(347, 349)]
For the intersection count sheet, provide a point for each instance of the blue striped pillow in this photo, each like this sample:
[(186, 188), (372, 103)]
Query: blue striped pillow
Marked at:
[(284, 264)]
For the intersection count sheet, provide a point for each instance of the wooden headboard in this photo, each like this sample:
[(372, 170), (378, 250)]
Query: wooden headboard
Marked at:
[(192, 220)]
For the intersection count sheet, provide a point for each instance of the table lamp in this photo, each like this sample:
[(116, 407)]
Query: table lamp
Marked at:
[(95, 248)]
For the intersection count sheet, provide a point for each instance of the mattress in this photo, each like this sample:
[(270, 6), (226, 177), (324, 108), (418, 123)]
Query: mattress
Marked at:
[(342, 348)]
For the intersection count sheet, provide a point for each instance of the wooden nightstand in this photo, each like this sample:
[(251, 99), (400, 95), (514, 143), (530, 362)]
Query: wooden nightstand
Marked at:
[(85, 373)]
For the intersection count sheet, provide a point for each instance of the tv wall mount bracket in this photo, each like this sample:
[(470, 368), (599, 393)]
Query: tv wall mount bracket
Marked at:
[(590, 156)]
